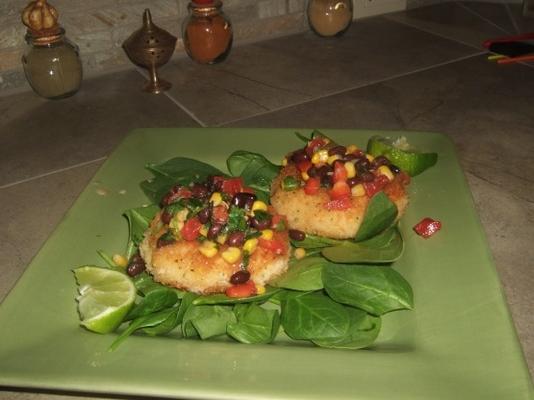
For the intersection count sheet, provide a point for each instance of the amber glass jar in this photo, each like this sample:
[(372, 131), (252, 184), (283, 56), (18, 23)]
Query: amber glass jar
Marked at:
[(207, 32), (52, 65), (329, 18)]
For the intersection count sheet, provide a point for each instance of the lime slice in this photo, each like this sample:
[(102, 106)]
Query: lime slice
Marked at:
[(401, 154), (105, 297)]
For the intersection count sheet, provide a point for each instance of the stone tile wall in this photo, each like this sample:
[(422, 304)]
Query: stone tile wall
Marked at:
[(99, 27)]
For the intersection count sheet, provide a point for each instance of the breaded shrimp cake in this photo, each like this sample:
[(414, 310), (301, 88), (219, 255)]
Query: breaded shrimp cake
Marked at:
[(330, 188), (211, 243)]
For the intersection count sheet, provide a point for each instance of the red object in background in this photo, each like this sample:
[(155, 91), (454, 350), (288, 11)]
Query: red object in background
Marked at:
[(427, 227)]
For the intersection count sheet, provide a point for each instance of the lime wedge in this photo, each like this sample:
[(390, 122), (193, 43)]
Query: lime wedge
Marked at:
[(105, 297), (401, 154)]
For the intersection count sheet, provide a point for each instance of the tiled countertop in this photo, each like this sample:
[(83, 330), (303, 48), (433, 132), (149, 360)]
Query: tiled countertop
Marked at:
[(422, 69)]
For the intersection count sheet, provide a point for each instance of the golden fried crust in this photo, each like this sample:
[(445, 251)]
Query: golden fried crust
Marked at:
[(307, 213), (182, 266)]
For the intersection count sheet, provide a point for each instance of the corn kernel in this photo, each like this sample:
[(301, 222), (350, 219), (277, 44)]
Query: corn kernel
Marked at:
[(300, 253), (358, 190), (305, 175), (369, 157), (351, 149), (260, 289), (250, 245), (216, 198), (351, 170), (231, 255), (384, 170), (259, 205), (284, 162), (221, 239), (182, 215), (333, 158), (208, 249), (203, 231), (120, 260), (320, 157), (267, 234)]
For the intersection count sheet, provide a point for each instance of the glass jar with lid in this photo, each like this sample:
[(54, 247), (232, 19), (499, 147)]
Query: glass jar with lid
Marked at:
[(207, 32), (52, 66), (329, 18)]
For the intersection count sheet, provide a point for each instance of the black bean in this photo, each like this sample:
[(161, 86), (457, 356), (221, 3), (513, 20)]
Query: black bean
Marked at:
[(204, 215), (367, 177), (313, 171), (339, 150), (260, 224), (239, 277), (363, 165), (327, 180), (199, 191), (136, 268), (243, 200), (214, 231), (354, 181), (214, 184), (394, 168), (236, 239), (300, 156), (379, 161), (297, 235), (349, 157), (166, 217)]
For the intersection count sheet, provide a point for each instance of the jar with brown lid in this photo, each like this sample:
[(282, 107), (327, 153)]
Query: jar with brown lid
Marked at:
[(207, 32), (53, 66), (329, 18)]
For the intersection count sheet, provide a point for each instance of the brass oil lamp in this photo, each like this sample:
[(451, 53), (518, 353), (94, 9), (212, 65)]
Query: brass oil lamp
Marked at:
[(151, 47)]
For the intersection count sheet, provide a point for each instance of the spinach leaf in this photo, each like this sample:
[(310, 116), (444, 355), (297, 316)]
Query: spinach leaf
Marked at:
[(304, 274), (375, 289), (138, 221), (379, 215), (363, 331), (257, 172), (155, 300), (254, 324), (142, 322), (175, 319), (302, 137), (315, 242), (224, 299), (383, 248), (313, 316), (164, 327), (206, 321), (179, 170)]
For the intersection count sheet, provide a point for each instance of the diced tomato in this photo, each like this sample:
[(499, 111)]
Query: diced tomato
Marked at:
[(276, 246), (312, 186), (278, 222), (304, 166), (246, 289), (314, 145), (340, 190), (232, 185), (372, 188), (219, 214), (427, 227), (338, 205), (340, 173), (191, 229), (246, 189)]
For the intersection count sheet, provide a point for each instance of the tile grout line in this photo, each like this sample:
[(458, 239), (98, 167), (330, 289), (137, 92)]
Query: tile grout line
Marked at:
[(431, 33), (56, 171), (514, 22), (484, 18), (177, 103), (335, 93)]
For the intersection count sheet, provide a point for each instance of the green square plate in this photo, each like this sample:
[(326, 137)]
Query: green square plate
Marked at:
[(458, 343)]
